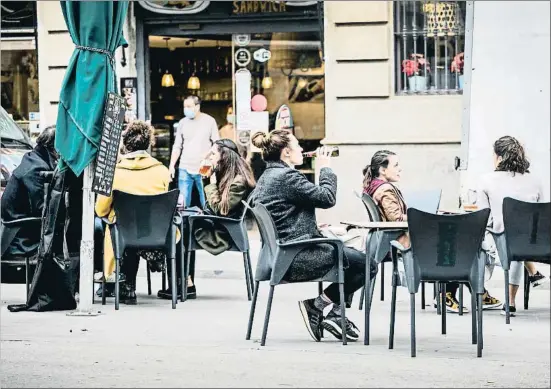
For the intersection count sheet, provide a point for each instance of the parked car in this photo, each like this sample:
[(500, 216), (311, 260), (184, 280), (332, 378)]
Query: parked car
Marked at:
[(14, 145)]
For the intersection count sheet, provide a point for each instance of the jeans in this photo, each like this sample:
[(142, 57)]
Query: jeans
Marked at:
[(186, 181), (354, 275)]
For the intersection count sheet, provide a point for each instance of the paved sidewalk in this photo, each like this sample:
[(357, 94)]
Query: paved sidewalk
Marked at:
[(202, 343)]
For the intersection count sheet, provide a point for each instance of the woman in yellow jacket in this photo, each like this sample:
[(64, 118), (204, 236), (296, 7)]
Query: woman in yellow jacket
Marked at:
[(138, 173)]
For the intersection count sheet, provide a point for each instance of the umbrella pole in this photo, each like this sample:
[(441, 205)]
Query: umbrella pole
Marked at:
[(86, 279)]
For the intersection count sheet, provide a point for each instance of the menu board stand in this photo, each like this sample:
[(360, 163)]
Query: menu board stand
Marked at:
[(112, 126)]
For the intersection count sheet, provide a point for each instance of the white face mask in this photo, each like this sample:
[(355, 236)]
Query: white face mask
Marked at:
[(230, 119)]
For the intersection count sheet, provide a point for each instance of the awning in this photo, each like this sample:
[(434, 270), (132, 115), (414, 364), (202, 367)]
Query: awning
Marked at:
[(96, 30)]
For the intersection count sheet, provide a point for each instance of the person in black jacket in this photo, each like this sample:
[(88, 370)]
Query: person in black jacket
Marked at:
[(292, 200), (24, 193)]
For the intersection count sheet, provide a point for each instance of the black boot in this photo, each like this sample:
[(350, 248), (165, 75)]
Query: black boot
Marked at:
[(167, 293), (129, 295)]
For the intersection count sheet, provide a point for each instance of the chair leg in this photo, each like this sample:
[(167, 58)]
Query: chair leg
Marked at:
[(382, 281), (103, 296), (437, 297), (343, 313), (526, 288), (117, 285), (443, 288), (507, 299), (173, 287), (251, 314), (412, 324), (460, 299), (183, 272), (474, 314), (250, 266), (163, 279), (480, 344), (423, 302), (186, 275), (148, 279), (392, 313), (368, 292), (27, 279), (320, 292), (362, 296), (247, 280), (267, 318)]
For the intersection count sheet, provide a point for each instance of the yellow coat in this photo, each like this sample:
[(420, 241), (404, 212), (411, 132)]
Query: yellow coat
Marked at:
[(136, 173)]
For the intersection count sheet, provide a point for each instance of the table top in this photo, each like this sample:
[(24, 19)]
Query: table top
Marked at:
[(377, 225)]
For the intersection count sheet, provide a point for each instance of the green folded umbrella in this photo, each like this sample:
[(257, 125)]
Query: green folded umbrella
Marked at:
[(96, 30)]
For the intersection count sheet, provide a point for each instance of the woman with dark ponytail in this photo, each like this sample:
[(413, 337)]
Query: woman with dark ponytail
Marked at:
[(379, 178)]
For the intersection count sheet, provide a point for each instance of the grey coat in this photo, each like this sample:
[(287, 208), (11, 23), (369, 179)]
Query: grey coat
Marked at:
[(291, 200)]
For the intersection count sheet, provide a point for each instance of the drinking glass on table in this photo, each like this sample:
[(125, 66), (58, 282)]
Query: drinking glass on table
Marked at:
[(468, 201)]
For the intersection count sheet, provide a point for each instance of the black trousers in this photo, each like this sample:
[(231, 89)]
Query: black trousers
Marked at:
[(130, 265), (354, 275), (452, 287)]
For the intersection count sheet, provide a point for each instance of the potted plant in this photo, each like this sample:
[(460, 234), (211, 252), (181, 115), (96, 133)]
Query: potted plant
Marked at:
[(415, 69), (457, 67)]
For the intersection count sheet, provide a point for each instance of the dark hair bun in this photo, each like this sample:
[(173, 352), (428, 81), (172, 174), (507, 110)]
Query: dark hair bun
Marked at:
[(261, 140)]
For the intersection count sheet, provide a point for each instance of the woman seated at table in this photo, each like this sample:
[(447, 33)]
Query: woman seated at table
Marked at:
[(379, 177), (231, 182), (511, 178), (137, 173), (292, 201)]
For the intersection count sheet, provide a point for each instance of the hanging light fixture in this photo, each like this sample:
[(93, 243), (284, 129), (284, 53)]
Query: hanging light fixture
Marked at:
[(167, 81), (194, 83), (267, 81)]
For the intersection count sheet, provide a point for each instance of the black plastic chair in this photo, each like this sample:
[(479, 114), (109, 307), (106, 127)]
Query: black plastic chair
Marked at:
[(426, 200), (525, 237), (9, 229), (276, 258), (377, 245), (237, 230), (443, 249), (144, 222)]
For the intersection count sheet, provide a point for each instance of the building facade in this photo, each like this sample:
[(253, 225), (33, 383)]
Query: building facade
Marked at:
[(338, 66)]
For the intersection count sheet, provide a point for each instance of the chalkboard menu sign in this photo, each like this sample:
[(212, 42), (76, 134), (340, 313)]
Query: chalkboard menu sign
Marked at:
[(113, 122)]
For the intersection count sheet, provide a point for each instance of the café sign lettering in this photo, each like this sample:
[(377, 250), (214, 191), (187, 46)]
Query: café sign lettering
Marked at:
[(237, 7), (250, 7)]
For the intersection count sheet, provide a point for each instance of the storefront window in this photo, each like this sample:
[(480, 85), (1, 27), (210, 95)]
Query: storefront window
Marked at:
[(285, 69), (19, 83), (19, 66)]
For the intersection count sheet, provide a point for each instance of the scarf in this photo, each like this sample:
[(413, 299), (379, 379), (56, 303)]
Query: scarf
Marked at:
[(373, 186)]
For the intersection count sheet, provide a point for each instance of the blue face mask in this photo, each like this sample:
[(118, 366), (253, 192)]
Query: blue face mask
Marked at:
[(189, 113)]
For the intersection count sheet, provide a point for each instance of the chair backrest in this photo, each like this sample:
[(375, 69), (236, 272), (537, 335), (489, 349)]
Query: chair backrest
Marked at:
[(527, 229), (424, 200), (371, 207), (446, 247), (144, 221), (269, 236)]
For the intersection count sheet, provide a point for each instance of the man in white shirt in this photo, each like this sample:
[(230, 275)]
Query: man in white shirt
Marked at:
[(195, 135)]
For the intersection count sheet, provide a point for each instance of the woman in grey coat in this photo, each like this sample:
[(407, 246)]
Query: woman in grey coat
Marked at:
[(292, 200)]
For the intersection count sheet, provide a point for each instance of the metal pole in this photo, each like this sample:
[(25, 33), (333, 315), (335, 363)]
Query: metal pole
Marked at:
[(86, 281)]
